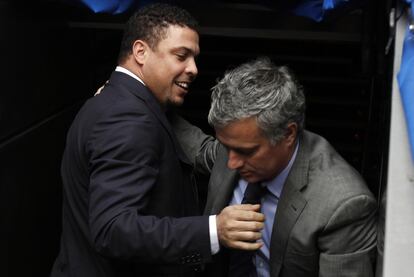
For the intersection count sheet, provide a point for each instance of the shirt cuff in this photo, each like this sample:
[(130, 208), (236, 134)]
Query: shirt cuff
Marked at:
[(214, 242)]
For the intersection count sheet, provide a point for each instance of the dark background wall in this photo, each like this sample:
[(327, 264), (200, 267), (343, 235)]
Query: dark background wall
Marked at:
[(55, 55)]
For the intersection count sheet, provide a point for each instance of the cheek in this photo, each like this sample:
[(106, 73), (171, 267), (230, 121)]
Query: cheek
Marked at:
[(267, 166), (170, 65), (259, 165)]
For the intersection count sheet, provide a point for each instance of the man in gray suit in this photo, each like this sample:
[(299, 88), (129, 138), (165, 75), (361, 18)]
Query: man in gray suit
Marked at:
[(320, 215)]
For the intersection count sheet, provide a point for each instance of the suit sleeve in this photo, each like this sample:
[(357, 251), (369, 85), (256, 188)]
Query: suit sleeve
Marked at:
[(199, 147), (124, 150), (348, 242)]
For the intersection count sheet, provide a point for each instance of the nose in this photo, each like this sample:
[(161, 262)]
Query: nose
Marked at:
[(234, 162), (192, 67)]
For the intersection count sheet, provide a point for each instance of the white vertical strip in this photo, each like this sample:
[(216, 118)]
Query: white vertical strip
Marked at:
[(399, 225)]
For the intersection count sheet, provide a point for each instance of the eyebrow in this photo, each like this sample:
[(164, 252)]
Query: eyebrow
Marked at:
[(180, 48), (242, 149)]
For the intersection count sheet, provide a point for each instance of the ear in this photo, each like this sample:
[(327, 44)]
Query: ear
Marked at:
[(140, 51), (291, 133)]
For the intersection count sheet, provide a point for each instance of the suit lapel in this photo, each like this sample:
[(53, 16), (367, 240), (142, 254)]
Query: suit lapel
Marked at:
[(221, 184), (290, 206), (135, 87)]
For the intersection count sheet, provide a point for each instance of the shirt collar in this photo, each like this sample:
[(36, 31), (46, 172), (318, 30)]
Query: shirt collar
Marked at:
[(126, 71), (275, 185)]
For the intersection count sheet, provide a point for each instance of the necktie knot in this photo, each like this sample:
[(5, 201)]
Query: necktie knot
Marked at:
[(253, 193)]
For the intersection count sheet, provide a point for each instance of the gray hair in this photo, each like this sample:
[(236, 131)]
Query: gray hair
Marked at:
[(259, 89)]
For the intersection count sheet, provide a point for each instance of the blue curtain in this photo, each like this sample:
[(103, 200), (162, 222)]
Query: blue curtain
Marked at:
[(314, 9), (317, 9), (108, 6), (406, 80)]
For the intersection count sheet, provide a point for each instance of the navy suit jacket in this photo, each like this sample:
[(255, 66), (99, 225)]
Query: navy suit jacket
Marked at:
[(129, 204)]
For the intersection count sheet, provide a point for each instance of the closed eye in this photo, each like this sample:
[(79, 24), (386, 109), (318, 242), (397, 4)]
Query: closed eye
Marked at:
[(181, 57), (183, 53), (243, 151)]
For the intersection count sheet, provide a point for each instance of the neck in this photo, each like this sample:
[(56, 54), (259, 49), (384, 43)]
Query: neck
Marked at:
[(133, 67)]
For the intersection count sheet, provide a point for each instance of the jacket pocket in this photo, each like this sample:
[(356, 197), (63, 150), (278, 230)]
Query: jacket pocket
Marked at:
[(300, 265)]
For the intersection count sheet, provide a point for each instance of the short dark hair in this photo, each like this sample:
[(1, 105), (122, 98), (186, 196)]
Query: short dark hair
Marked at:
[(150, 23)]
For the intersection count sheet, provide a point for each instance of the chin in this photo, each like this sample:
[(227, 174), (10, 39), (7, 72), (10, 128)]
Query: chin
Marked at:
[(250, 178), (175, 103)]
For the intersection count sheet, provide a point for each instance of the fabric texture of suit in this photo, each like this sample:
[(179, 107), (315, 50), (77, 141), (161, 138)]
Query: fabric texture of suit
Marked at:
[(129, 204), (325, 224)]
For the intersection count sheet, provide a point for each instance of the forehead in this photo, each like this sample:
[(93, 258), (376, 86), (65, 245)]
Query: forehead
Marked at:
[(241, 133), (177, 37)]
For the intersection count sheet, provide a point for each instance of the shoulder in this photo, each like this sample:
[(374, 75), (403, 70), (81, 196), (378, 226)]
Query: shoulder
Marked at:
[(120, 117), (327, 166), (115, 97), (331, 181)]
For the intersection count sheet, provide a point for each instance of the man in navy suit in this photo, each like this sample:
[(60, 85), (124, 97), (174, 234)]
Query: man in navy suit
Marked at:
[(129, 203)]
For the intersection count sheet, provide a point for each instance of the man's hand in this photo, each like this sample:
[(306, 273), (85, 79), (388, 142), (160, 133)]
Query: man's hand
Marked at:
[(239, 226), (100, 89)]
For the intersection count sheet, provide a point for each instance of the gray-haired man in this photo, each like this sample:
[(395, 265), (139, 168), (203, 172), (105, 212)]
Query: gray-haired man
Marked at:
[(320, 215)]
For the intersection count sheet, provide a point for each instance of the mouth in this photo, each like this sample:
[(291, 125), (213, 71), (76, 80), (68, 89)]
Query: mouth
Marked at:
[(184, 85), (244, 174)]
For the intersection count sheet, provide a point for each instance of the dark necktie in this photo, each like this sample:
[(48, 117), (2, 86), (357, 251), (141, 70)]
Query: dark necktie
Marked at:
[(241, 262)]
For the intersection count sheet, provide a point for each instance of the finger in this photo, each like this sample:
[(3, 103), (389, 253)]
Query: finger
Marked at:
[(242, 245), (242, 215), (240, 226), (250, 237), (99, 90), (247, 207)]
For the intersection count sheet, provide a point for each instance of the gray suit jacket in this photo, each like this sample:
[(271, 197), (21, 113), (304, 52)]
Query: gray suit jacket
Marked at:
[(325, 224)]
